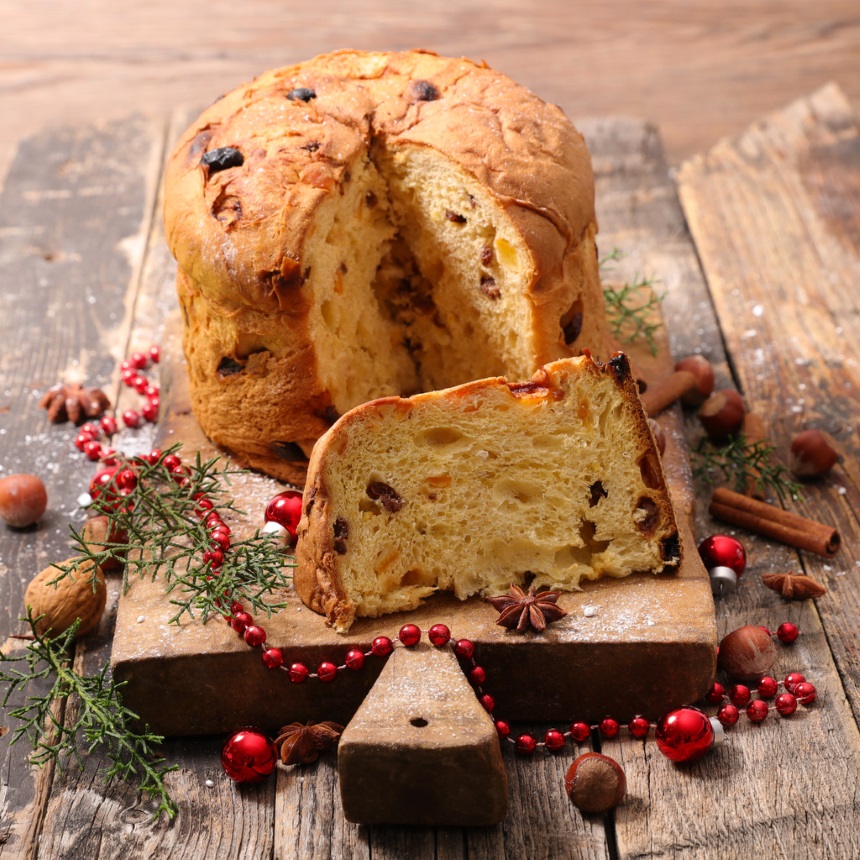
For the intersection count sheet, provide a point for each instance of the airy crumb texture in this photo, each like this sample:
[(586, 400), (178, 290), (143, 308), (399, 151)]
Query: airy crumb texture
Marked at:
[(351, 227), (550, 481)]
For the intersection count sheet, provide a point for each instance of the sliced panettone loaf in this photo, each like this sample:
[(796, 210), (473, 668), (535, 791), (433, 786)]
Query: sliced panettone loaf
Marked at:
[(472, 488), (348, 228)]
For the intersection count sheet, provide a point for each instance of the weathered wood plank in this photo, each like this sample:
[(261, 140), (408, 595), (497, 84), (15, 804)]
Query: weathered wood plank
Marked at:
[(71, 204)]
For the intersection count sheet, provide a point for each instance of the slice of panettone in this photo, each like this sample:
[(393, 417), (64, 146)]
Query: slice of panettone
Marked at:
[(472, 488)]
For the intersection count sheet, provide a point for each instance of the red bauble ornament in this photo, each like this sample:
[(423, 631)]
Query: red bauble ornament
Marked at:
[(723, 551), (757, 711), (410, 635), (554, 740), (248, 756), (439, 635), (639, 727), (787, 632), (285, 510), (684, 735)]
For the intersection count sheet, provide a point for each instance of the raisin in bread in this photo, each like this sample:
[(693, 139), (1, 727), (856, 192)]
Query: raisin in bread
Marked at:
[(482, 485), (368, 224)]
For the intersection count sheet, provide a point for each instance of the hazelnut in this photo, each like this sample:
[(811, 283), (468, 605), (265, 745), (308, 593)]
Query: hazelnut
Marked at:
[(722, 415), (703, 370), (812, 454), (595, 783), (23, 500), (659, 436), (70, 597), (747, 653)]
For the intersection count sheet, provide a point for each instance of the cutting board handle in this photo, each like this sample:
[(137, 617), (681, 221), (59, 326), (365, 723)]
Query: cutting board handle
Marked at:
[(421, 749)]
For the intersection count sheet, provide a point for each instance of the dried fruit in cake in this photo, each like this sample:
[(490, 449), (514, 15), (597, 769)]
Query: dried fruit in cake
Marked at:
[(546, 482)]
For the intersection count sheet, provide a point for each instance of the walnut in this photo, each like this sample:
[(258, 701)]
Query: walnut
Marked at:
[(72, 596)]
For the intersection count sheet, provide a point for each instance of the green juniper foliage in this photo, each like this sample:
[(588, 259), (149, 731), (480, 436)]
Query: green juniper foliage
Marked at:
[(156, 528)]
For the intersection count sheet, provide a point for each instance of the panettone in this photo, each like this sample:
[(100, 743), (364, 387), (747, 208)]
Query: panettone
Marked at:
[(550, 481), (369, 224)]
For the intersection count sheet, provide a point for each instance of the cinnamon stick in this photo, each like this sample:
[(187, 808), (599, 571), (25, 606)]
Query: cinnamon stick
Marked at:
[(753, 431), (664, 392), (773, 522)]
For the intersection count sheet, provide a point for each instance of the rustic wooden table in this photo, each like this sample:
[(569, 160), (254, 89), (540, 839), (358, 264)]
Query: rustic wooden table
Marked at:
[(755, 243)]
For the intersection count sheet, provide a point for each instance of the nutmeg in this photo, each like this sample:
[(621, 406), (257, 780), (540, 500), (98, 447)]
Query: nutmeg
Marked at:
[(23, 500), (722, 415), (813, 454), (747, 653), (595, 783), (703, 370), (72, 596)]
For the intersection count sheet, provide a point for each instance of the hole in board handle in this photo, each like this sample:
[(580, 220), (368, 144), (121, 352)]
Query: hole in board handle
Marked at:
[(418, 722)]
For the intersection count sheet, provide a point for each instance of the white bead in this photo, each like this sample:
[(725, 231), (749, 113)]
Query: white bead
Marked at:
[(84, 500), (723, 580)]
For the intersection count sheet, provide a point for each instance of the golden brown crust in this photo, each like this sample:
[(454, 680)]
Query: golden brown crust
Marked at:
[(239, 234)]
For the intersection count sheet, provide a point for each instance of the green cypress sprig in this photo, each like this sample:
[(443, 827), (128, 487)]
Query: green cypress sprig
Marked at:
[(99, 718)]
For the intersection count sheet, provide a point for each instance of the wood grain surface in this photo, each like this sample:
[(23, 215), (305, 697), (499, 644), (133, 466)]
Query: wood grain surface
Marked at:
[(700, 70), (773, 220)]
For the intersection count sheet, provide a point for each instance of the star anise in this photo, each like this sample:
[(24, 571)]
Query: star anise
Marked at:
[(793, 586), (301, 743), (73, 402), (520, 610)]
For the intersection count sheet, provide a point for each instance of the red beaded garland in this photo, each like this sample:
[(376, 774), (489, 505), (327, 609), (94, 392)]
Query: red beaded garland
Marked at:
[(108, 425), (410, 635), (503, 729), (740, 695), (553, 740), (298, 673), (254, 635), (787, 632), (786, 704), (240, 621), (792, 679), (285, 510), (608, 727), (354, 659), (580, 731), (767, 687), (805, 692), (716, 694), (170, 462), (464, 648), (248, 756), (273, 658), (639, 727), (728, 715), (684, 735), (439, 635), (757, 711), (525, 744), (327, 672), (477, 675), (92, 450), (488, 703), (131, 418), (381, 646)]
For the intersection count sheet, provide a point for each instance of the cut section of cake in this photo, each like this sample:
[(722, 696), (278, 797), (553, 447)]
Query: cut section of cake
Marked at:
[(546, 482)]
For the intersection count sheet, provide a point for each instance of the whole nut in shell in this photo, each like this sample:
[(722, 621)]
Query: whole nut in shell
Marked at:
[(812, 454), (747, 653), (595, 783), (703, 370), (23, 500), (98, 535), (722, 415), (70, 598)]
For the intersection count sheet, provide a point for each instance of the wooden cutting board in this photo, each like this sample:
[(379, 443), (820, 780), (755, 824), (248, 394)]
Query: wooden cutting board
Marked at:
[(642, 644)]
